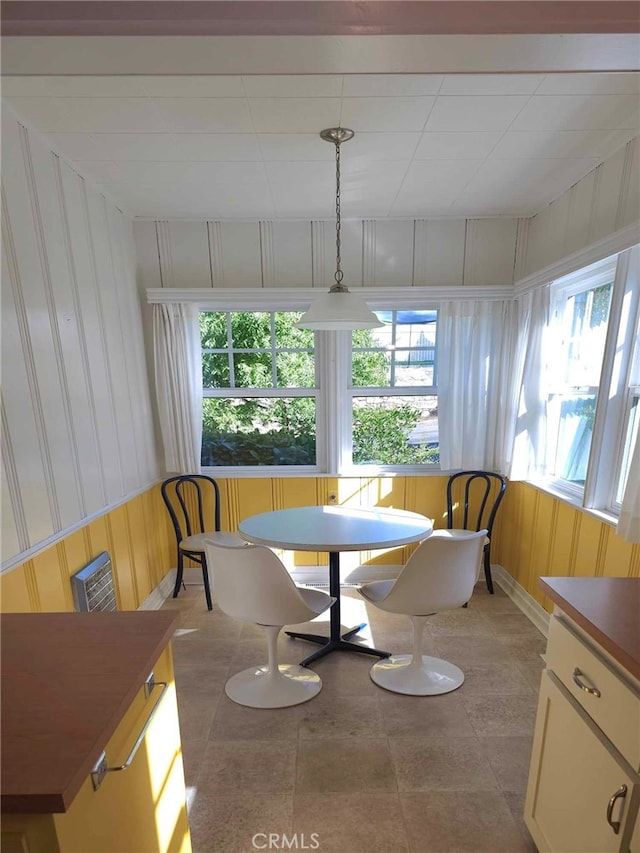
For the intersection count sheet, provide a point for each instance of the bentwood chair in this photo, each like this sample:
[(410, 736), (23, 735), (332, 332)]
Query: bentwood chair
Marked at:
[(473, 499), (439, 575), (190, 499), (252, 584)]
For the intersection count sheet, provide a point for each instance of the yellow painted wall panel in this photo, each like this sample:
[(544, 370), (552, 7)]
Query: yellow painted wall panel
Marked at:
[(120, 551), (139, 547), (254, 496), (52, 589), (618, 558), (76, 552), (588, 551), (14, 592), (576, 542)]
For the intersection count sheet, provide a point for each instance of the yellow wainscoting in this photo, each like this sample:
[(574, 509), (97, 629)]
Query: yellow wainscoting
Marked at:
[(535, 534), (538, 535), (136, 535)]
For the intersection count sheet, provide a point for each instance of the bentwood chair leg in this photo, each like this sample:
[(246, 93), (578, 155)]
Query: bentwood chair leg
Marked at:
[(207, 587), (487, 569), (176, 588)]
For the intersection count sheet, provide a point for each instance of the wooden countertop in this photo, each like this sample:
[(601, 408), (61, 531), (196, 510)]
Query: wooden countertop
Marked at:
[(608, 609), (67, 680)]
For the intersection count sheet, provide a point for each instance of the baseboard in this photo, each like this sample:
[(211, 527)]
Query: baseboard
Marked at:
[(157, 596), (521, 598)]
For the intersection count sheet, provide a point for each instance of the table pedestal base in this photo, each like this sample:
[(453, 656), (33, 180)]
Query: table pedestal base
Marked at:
[(339, 645), (335, 642)]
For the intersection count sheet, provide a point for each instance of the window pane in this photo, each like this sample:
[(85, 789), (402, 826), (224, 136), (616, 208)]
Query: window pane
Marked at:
[(296, 370), (251, 329), (290, 336), (215, 370), (575, 417), (253, 370), (402, 353), (259, 431), (395, 430), (371, 369), (577, 342), (213, 329)]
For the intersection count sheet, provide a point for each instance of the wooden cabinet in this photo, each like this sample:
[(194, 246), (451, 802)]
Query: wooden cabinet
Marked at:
[(140, 809), (584, 788)]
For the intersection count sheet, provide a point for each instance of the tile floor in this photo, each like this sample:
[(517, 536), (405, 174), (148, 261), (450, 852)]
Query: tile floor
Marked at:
[(358, 769)]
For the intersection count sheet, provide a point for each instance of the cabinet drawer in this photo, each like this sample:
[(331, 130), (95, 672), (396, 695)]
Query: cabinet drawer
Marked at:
[(612, 702)]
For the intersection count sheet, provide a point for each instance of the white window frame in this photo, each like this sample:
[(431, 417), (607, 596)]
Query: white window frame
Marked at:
[(614, 398)]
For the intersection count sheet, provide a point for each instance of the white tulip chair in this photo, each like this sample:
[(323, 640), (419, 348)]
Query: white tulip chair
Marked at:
[(439, 575), (252, 584)]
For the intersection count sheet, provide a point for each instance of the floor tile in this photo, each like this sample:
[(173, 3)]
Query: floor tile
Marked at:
[(463, 651), (351, 823), (227, 824), (502, 716), (441, 764), (493, 679), (357, 764), (236, 722), (248, 767), (515, 802), (341, 716), (424, 716), (444, 822), (509, 758)]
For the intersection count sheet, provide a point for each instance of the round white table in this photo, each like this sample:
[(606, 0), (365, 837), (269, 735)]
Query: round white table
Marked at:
[(335, 529)]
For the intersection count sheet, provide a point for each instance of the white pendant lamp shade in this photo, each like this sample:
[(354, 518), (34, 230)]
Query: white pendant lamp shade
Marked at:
[(338, 310)]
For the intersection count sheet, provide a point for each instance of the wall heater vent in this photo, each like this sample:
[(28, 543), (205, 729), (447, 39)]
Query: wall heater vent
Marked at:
[(93, 586)]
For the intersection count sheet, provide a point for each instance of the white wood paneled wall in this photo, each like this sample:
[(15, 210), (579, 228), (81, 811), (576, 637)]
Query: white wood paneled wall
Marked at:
[(375, 253), (77, 433), (604, 202)]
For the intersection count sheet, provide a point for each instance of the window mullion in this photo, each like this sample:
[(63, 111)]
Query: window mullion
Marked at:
[(334, 360)]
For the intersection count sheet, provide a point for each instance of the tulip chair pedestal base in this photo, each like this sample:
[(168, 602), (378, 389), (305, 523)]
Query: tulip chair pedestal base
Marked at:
[(429, 678), (258, 687)]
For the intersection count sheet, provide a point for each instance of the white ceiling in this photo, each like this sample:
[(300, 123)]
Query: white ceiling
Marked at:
[(247, 147)]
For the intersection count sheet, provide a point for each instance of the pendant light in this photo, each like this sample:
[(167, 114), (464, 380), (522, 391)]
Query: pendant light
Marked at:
[(338, 309)]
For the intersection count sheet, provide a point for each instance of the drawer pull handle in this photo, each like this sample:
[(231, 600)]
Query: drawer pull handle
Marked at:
[(577, 673), (101, 768), (621, 793)]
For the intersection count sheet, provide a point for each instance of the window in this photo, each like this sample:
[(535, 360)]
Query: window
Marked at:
[(393, 390), (593, 381), (276, 396), (575, 353), (259, 387)]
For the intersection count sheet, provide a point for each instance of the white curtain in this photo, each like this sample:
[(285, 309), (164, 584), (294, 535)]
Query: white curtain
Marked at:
[(470, 357), (629, 521), (528, 429), (178, 375)]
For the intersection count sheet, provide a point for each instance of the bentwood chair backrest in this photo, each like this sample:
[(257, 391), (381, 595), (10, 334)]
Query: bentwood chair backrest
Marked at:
[(193, 502), (473, 498)]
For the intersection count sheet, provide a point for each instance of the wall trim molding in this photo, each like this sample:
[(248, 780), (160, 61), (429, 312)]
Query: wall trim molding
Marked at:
[(521, 598), (23, 556), (612, 244), (288, 296)]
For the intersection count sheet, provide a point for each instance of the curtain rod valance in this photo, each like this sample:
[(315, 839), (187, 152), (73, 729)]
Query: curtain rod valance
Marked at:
[(273, 297)]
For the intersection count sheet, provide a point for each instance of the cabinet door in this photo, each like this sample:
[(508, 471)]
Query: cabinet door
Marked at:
[(574, 774), (140, 809)]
